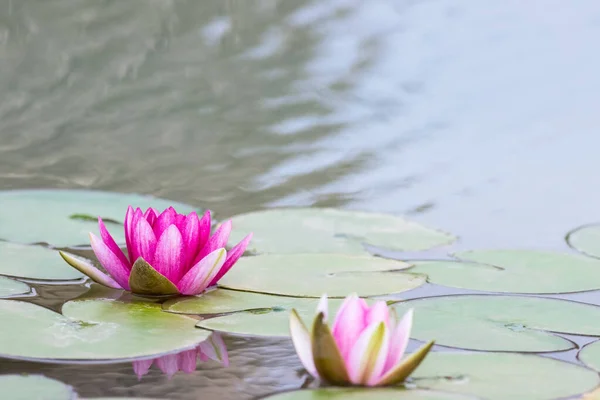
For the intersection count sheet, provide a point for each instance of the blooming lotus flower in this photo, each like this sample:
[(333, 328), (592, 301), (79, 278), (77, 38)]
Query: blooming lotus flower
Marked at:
[(212, 348), (364, 347), (169, 253)]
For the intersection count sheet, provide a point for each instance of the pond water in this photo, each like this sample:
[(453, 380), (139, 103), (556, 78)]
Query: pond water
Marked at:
[(480, 119)]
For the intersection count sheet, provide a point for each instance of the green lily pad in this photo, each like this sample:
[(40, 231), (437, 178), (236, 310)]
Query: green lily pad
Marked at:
[(28, 387), (34, 262), (266, 316), (586, 239), (312, 275), (60, 213), (328, 230), (10, 287), (590, 355), (514, 271), (501, 323), (93, 330), (366, 394), (220, 301), (501, 376)]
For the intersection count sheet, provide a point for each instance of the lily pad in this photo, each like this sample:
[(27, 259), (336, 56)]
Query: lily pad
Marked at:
[(590, 355), (220, 301), (586, 239), (514, 271), (267, 315), (28, 387), (312, 275), (328, 230), (34, 262), (501, 376), (10, 287), (55, 216), (94, 330), (501, 323), (366, 394)]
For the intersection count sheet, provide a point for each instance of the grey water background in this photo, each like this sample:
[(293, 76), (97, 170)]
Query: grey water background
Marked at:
[(477, 117)]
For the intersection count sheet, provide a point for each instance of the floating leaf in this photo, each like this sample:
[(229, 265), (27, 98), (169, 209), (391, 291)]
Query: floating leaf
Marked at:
[(22, 211), (311, 275), (328, 230), (516, 271), (34, 262), (586, 239), (501, 376), (93, 330), (221, 301), (590, 355), (268, 315), (10, 287), (501, 323), (366, 394), (38, 387)]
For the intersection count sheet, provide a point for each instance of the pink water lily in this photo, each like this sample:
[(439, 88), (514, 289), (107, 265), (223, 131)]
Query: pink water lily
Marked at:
[(364, 347), (168, 253), (212, 348)]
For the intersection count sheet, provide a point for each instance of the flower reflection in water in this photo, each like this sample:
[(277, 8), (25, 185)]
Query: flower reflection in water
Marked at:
[(212, 348)]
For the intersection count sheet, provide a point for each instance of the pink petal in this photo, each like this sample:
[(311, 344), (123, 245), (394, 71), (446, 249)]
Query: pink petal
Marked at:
[(142, 367), (168, 364), (201, 274), (113, 265), (190, 235), (144, 242), (169, 254), (112, 245), (151, 214), (217, 241), (204, 226), (128, 224), (179, 221), (214, 348), (378, 313), (164, 220), (186, 361), (232, 256), (368, 356), (348, 324), (399, 340)]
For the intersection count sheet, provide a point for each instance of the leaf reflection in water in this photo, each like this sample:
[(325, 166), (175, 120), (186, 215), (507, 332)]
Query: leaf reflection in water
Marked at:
[(212, 348)]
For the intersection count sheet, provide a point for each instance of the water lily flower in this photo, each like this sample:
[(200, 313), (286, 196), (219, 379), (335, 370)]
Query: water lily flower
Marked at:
[(364, 347), (212, 348), (169, 253)]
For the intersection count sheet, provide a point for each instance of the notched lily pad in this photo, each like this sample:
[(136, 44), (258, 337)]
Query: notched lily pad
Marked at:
[(35, 263), (38, 387), (22, 210), (328, 230), (93, 330), (514, 271), (590, 355), (250, 313), (501, 376), (312, 275), (586, 239), (366, 394), (501, 323), (10, 287)]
